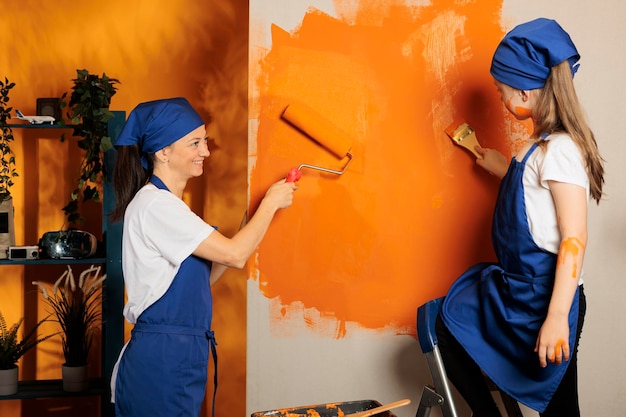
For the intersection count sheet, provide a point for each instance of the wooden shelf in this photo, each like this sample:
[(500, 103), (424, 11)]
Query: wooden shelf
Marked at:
[(107, 254), (38, 126), (46, 261), (53, 388)]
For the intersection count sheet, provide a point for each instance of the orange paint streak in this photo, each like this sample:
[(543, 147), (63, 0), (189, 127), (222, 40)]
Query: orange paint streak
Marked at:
[(520, 111), (570, 248), (558, 350), (523, 112), (411, 212)]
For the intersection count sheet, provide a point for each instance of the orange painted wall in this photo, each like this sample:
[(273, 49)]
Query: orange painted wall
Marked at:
[(193, 48), (413, 210)]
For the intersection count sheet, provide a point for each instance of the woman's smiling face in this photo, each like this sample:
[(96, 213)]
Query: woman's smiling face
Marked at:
[(187, 154)]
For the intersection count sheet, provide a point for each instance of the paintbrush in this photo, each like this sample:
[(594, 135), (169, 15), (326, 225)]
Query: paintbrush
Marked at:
[(463, 135)]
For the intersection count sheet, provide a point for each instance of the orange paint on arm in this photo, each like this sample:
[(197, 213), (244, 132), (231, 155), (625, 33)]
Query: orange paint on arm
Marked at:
[(570, 247)]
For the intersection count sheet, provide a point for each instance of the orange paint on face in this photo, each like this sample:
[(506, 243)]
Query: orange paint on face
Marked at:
[(570, 248), (520, 112), (523, 112), (411, 213)]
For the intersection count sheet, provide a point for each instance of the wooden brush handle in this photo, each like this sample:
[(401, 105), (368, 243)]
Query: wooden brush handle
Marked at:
[(380, 409)]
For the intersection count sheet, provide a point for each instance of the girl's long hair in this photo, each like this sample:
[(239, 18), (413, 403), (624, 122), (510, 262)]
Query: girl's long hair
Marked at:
[(558, 110), (128, 177)]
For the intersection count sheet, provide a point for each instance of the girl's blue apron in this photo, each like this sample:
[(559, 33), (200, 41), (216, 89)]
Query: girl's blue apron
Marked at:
[(166, 360), (496, 310)]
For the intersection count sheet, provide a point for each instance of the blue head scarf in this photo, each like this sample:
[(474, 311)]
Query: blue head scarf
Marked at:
[(153, 125), (524, 57)]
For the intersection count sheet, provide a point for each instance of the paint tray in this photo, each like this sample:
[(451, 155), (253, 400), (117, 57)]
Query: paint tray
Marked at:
[(326, 410)]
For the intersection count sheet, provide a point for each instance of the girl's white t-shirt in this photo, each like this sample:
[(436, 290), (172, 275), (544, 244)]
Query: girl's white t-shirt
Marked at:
[(560, 161), (160, 232)]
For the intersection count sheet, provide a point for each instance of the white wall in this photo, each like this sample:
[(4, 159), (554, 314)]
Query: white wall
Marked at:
[(307, 369)]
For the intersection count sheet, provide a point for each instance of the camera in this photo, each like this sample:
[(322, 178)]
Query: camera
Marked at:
[(23, 252)]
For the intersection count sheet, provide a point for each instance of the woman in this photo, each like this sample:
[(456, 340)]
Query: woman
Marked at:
[(170, 258), (519, 321)]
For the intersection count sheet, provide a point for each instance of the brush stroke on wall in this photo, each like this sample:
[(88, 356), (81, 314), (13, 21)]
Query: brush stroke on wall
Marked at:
[(412, 211)]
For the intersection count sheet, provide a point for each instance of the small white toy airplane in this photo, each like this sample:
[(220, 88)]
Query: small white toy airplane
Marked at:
[(36, 120)]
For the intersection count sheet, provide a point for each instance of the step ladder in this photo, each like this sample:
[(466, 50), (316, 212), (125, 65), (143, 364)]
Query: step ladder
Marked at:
[(441, 393)]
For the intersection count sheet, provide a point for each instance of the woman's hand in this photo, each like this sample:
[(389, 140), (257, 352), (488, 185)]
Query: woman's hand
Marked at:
[(280, 194), (492, 161)]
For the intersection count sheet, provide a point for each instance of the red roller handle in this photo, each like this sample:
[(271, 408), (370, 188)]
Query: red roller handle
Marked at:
[(294, 175)]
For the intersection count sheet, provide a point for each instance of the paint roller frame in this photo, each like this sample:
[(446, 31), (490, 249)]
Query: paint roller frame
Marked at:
[(321, 131)]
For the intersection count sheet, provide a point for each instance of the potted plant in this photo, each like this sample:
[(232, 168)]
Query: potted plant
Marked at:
[(11, 350), (7, 170), (89, 113), (76, 307)]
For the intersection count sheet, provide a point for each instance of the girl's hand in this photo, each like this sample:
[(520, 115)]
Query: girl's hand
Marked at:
[(553, 341), (492, 161)]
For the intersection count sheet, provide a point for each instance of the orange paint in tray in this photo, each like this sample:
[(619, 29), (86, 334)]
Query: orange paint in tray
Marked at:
[(338, 409)]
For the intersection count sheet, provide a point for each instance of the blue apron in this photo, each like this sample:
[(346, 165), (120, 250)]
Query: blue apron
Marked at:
[(166, 360), (496, 310)]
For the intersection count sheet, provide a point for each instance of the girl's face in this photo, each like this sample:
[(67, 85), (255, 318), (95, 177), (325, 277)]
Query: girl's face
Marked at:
[(518, 102), (187, 154)]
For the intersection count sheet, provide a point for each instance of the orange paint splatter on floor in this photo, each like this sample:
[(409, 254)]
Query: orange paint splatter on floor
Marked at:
[(412, 211)]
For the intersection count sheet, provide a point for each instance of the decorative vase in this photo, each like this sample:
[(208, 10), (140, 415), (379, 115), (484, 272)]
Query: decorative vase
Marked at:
[(7, 231), (8, 381), (75, 378)]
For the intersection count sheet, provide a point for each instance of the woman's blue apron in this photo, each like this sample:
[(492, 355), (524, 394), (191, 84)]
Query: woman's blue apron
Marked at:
[(496, 310), (166, 360)]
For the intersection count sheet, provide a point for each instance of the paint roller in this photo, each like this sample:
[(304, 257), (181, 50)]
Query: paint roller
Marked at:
[(333, 139)]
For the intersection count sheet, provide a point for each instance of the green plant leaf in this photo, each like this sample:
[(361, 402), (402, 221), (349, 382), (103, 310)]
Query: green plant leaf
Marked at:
[(88, 107), (6, 137)]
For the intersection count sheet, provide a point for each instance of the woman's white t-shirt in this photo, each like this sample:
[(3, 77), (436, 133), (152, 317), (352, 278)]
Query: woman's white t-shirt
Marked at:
[(560, 161), (160, 232)]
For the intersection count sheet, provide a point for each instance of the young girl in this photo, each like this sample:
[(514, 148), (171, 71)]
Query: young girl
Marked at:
[(518, 321), (170, 259)]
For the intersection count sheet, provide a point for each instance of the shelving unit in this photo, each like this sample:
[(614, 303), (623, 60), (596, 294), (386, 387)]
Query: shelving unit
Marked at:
[(112, 293)]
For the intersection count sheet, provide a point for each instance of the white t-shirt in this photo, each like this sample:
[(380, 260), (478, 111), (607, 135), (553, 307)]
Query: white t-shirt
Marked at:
[(560, 161), (160, 232)]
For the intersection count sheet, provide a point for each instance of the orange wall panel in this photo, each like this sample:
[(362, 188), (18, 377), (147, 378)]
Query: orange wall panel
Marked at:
[(413, 210)]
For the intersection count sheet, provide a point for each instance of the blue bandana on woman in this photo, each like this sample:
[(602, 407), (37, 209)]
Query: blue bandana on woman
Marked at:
[(153, 125)]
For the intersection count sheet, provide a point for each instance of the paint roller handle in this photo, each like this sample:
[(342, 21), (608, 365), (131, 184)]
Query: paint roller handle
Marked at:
[(294, 175)]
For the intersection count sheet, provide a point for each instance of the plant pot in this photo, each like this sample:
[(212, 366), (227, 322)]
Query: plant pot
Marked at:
[(8, 381), (75, 378), (7, 226)]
